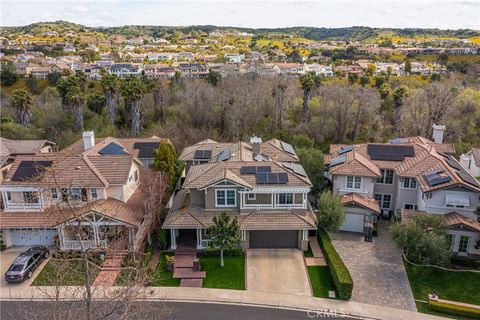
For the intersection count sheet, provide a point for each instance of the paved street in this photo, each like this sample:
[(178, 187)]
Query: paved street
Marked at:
[(376, 267), (173, 311), (277, 270)]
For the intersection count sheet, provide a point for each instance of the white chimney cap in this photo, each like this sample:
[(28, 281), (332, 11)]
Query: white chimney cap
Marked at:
[(439, 127), (255, 139)]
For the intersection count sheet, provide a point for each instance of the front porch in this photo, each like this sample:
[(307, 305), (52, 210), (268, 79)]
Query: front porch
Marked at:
[(95, 232)]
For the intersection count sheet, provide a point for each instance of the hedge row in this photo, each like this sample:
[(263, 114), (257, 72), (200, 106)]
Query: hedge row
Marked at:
[(340, 274), (454, 309)]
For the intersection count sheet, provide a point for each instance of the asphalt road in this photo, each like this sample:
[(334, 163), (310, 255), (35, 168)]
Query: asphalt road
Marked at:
[(39, 310)]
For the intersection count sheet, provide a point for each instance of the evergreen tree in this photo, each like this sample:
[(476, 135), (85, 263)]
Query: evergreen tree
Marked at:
[(22, 101)]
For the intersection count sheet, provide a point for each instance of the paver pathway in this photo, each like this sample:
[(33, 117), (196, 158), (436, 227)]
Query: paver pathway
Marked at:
[(318, 259), (110, 269), (184, 268), (377, 270)]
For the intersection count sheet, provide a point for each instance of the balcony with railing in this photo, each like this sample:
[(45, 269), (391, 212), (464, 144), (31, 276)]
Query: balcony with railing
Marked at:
[(83, 245)]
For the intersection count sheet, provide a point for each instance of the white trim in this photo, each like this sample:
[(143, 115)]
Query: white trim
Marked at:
[(384, 176), (353, 183), (276, 190), (254, 196), (402, 181), (381, 201), (225, 192)]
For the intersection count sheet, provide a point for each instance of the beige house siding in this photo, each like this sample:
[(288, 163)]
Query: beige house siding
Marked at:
[(210, 198), (197, 197), (340, 182)]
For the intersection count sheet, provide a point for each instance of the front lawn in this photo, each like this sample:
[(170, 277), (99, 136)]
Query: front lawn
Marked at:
[(321, 280), (64, 272), (231, 276), (450, 285), (163, 277)]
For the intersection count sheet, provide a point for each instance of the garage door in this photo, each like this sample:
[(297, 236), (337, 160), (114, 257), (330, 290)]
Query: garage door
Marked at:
[(353, 222), (30, 237), (273, 239)]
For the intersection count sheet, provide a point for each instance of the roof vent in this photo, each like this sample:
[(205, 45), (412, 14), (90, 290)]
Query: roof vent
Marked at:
[(78, 168)]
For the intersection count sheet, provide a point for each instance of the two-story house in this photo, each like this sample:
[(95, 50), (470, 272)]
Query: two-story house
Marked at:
[(258, 183), (403, 176), (94, 183)]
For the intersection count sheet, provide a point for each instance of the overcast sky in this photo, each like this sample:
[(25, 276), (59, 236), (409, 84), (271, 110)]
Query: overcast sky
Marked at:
[(444, 14)]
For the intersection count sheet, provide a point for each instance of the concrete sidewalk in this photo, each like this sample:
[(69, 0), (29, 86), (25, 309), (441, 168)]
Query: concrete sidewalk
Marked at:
[(276, 300)]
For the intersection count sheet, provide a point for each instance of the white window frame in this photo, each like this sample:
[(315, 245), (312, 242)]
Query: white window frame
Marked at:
[(452, 240), (94, 191), (411, 181), (465, 204), (74, 195), (54, 193), (354, 181), (225, 192), (251, 196), (382, 179), (289, 198), (195, 162), (382, 195), (414, 206), (460, 243)]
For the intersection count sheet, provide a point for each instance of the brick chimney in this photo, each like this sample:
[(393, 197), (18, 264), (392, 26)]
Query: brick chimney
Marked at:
[(88, 140)]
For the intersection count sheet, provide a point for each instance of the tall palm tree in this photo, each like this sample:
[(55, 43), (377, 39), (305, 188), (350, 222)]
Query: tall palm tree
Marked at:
[(111, 90), (22, 101), (133, 89), (309, 82), (76, 98)]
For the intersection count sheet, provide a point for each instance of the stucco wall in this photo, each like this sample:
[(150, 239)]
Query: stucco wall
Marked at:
[(436, 204), (340, 182)]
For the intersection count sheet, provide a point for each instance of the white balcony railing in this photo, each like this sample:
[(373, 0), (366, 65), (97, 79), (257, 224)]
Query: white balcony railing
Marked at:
[(22, 206), (87, 244), (274, 206), (348, 190)]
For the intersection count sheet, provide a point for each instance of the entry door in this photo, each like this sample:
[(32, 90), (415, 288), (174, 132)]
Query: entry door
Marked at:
[(463, 244)]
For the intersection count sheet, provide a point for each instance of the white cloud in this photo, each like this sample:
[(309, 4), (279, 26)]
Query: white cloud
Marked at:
[(453, 14)]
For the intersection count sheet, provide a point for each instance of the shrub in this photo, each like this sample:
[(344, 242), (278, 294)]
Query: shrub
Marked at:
[(340, 274), (162, 239), (465, 262), (454, 309), (331, 213), (216, 252)]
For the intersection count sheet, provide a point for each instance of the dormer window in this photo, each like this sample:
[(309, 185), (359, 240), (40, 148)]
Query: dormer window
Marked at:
[(354, 182)]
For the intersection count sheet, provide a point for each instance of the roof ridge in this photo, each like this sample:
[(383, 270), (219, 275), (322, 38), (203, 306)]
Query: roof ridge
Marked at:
[(304, 179), (95, 170)]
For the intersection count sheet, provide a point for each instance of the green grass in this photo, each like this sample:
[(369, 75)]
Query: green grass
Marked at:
[(59, 272), (231, 276), (321, 280), (308, 253), (163, 277), (450, 285)]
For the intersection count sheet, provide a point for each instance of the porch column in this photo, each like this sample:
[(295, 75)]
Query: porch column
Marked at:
[(95, 236), (304, 203), (60, 236), (173, 239), (5, 199), (199, 239)]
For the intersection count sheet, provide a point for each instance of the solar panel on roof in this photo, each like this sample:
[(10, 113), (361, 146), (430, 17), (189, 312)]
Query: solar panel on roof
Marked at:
[(141, 145), (225, 155), (436, 177), (282, 178), (295, 167), (264, 169), (30, 169), (202, 154), (390, 152), (272, 178), (345, 149), (336, 161), (112, 149), (454, 164), (262, 178), (287, 147), (469, 179), (248, 170)]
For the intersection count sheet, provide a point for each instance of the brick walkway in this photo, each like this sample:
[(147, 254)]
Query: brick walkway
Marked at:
[(110, 269), (377, 270), (318, 259), (184, 268)]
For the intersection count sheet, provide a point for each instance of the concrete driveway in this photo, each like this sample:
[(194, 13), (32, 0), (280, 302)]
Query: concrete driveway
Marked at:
[(277, 270), (6, 259), (377, 270)]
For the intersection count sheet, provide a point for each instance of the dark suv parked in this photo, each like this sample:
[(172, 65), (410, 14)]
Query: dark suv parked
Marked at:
[(26, 262)]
